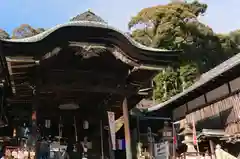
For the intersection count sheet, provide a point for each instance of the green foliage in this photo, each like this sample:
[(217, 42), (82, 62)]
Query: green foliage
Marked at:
[(187, 74), (40, 30), (166, 84), (23, 31), (235, 36), (4, 34), (175, 26)]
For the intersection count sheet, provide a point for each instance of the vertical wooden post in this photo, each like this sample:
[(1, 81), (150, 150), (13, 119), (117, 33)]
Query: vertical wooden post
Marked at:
[(75, 129), (212, 151), (35, 108), (111, 151), (174, 140), (138, 129), (34, 122), (127, 129), (101, 135)]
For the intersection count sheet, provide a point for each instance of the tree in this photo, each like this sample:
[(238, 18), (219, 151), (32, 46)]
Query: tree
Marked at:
[(235, 37), (167, 84), (230, 43), (24, 31), (40, 30), (4, 34), (175, 26)]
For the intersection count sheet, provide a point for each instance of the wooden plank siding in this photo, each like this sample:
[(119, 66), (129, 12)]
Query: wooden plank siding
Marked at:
[(217, 93), (179, 112), (219, 102)]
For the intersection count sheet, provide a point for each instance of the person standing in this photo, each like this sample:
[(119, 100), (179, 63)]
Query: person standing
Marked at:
[(62, 155)]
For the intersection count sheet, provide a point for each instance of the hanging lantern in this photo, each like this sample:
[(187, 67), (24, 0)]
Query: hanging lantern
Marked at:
[(14, 132), (32, 154), (14, 154), (25, 153), (20, 154), (34, 115), (167, 131), (85, 124), (48, 123), (3, 122)]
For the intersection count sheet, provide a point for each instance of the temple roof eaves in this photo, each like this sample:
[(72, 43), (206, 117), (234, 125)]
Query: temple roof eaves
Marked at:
[(204, 79), (44, 34), (124, 40)]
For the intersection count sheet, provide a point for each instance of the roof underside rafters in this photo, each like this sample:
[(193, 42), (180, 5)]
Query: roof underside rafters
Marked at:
[(85, 58)]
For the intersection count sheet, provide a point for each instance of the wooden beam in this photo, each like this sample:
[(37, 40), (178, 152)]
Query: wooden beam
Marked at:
[(11, 78), (20, 73), (23, 66), (127, 129), (20, 59), (56, 73), (19, 101), (88, 88)]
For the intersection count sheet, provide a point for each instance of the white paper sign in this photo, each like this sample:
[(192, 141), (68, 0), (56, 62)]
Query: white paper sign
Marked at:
[(111, 120), (161, 150)]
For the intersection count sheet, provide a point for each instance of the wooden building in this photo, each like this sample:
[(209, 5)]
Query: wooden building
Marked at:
[(78, 69), (213, 102)]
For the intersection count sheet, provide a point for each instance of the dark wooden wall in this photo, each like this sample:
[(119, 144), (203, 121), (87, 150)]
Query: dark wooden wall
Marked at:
[(219, 107)]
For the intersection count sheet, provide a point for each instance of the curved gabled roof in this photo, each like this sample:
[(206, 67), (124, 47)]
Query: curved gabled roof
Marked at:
[(98, 32)]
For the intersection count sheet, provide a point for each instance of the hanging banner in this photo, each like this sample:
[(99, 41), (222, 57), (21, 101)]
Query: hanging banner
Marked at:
[(161, 150), (194, 132), (175, 140), (119, 123), (111, 120), (149, 135)]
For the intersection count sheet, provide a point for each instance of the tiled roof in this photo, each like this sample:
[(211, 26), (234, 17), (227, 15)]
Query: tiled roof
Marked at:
[(205, 78), (88, 16)]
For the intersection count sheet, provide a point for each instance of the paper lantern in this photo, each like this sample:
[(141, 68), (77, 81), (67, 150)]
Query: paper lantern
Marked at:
[(25, 153), (48, 123), (14, 132), (20, 154), (14, 154), (32, 154), (85, 125)]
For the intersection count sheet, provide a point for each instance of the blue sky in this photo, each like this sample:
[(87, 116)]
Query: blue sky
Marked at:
[(222, 15)]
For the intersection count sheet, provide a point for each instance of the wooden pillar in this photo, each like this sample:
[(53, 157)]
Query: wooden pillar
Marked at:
[(35, 106), (34, 118), (101, 136), (212, 150), (138, 129), (127, 129), (111, 151)]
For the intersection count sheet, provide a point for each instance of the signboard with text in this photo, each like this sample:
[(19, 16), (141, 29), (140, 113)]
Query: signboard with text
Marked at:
[(111, 120), (161, 150)]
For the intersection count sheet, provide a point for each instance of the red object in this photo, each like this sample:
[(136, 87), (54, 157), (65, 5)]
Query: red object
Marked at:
[(174, 135), (34, 115), (175, 139), (194, 132)]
